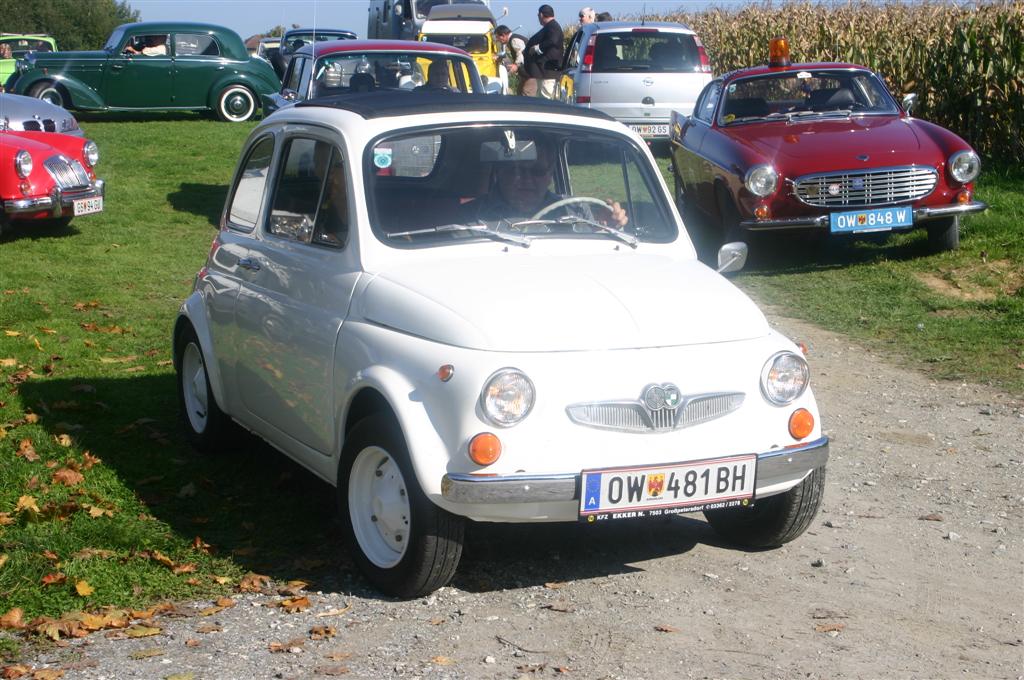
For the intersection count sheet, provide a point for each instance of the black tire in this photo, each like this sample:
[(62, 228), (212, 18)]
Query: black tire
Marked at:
[(236, 104), (944, 234), (207, 427), (775, 520), (417, 549), (729, 228), (50, 92)]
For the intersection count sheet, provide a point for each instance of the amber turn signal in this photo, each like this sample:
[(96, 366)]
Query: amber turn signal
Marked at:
[(964, 197), (778, 52), (801, 423), (484, 448), (445, 373), (762, 212)]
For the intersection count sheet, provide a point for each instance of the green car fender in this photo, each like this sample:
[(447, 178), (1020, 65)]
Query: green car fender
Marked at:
[(259, 86), (81, 95)]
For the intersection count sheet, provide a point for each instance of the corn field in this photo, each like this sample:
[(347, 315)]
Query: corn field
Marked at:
[(965, 62)]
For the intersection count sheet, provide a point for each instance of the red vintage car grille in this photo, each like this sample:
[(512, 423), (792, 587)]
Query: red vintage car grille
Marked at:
[(878, 186), (66, 172)]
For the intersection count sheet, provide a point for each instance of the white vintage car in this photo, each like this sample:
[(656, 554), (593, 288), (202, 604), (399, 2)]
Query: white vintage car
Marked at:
[(459, 306)]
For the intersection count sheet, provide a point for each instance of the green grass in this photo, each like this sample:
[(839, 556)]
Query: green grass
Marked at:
[(102, 372)]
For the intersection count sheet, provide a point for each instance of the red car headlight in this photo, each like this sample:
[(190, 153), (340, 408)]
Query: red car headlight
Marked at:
[(761, 180), (23, 163)]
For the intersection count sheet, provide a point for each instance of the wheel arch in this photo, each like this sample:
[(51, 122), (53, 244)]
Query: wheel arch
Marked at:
[(190, 316), (76, 93), (251, 84)]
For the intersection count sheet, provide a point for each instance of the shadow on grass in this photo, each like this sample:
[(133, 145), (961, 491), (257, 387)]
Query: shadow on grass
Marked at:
[(36, 230), (205, 200), (271, 516)]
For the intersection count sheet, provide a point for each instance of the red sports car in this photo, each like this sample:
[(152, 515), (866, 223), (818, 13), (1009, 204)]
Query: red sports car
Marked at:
[(47, 178), (820, 147)]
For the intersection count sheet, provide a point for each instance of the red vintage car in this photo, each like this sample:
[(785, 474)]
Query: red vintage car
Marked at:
[(820, 147), (47, 178)]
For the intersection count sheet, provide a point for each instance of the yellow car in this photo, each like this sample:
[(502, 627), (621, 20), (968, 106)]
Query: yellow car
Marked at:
[(471, 28)]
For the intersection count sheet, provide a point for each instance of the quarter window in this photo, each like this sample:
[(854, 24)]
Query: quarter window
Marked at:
[(192, 45), (248, 194), (705, 108), (311, 198)]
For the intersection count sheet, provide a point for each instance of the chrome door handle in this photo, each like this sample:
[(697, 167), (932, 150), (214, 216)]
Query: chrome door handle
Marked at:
[(249, 263), (117, 67)]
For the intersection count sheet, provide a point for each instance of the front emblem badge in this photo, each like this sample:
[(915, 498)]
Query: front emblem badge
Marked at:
[(834, 189), (863, 157), (658, 397)]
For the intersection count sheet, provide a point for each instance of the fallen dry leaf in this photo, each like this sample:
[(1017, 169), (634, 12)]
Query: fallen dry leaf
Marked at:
[(322, 632), (554, 585), (338, 656), (663, 628), (31, 418), (829, 627), (294, 605), (292, 588), (87, 553), (54, 579), (8, 363), (12, 334), (278, 647), (201, 545), (436, 621), (335, 612), (68, 477), (184, 568), (209, 628), (26, 504), (146, 653), (443, 660), (253, 583), (3, 560), (47, 674), (15, 671), (222, 580), (90, 460), (84, 589), (5, 519), (931, 517), (13, 619), (64, 440), (138, 631), (192, 642), (27, 451)]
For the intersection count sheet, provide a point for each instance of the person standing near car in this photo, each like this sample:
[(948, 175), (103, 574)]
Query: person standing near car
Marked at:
[(514, 53), (587, 16), (543, 61)]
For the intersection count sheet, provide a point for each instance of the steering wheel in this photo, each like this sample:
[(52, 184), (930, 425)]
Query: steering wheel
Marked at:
[(568, 201)]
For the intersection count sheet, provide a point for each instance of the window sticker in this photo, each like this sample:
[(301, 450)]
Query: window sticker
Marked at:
[(729, 117), (732, 88), (382, 157), (803, 75)]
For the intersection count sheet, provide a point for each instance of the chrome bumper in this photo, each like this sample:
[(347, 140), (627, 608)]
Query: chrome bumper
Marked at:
[(773, 467), (821, 221), (58, 203)]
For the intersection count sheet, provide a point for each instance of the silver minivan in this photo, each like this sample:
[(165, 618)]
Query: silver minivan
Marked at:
[(636, 72)]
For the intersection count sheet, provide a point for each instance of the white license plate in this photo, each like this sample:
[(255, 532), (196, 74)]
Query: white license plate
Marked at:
[(86, 206), (652, 491), (651, 130)]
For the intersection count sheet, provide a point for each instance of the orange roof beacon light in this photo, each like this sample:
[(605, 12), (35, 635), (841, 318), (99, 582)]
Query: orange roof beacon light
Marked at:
[(778, 52)]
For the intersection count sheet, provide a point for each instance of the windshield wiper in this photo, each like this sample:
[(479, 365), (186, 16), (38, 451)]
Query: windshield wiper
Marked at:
[(472, 228), (628, 239), (793, 116)]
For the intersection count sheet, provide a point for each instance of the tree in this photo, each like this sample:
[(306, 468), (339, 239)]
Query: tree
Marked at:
[(76, 24), (275, 32)]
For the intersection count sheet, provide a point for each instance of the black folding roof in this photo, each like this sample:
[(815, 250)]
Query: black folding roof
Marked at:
[(404, 103)]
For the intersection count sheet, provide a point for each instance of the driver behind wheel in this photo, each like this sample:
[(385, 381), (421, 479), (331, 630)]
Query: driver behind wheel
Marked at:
[(520, 189)]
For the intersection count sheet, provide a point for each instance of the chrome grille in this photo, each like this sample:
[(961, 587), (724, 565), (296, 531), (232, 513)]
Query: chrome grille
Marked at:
[(856, 188), (66, 172), (634, 416)]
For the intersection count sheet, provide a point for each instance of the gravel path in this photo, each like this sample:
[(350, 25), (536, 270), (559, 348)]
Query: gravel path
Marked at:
[(913, 569)]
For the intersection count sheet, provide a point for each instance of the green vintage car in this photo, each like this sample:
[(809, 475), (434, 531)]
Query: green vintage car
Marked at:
[(152, 66), (14, 46)]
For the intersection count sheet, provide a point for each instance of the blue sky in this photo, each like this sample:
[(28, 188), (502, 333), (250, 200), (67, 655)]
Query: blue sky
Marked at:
[(256, 16)]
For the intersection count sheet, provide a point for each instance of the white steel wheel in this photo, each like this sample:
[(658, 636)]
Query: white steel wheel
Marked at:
[(378, 506), (207, 428), (404, 544), (236, 104), (49, 93), (194, 388)]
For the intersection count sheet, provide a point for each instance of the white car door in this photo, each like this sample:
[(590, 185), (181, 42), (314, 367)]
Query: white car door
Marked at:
[(300, 275)]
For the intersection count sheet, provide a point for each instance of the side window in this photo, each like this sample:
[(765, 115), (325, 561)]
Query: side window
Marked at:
[(311, 197), (191, 45), (705, 108), (151, 45), (248, 194), (291, 79), (573, 58), (304, 74)]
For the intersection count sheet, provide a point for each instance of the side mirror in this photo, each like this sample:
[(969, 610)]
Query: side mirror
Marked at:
[(504, 12), (290, 95), (909, 102), (732, 257)]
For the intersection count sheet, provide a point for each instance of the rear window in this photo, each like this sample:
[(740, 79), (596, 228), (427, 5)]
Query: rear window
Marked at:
[(648, 51), (22, 46)]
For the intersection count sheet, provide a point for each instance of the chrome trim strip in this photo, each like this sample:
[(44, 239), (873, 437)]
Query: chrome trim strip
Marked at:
[(821, 222), (791, 223), (58, 202), (773, 467), (927, 213)]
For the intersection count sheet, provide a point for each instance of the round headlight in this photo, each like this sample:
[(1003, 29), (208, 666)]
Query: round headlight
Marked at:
[(964, 166), (23, 163), (761, 180), (91, 153), (784, 378), (507, 397)]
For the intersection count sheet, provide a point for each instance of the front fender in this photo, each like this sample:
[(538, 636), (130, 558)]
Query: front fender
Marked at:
[(427, 453), (259, 86), (82, 96), (192, 312)]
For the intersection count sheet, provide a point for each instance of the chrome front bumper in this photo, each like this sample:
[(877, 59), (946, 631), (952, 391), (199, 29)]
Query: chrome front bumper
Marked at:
[(821, 221), (58, 203), (773, 467)]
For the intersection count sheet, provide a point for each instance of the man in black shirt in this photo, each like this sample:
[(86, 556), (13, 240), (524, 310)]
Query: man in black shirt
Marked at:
[(544, 56)]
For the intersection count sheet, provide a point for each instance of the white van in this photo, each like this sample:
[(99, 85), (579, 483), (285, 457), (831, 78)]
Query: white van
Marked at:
[(636, 72), (403, 19)]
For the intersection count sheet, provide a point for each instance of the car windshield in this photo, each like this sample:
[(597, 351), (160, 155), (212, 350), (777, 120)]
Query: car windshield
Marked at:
[(474, 44), (114, 40), (647, 50), (423, 7), (796, 96), (514, 184), (346, 72)]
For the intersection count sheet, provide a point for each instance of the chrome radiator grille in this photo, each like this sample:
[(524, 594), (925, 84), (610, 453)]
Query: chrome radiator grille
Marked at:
[(634, 416), (66, 172), (855, 188)]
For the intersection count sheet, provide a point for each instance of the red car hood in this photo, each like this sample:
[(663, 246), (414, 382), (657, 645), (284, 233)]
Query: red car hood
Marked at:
[(838, 143)]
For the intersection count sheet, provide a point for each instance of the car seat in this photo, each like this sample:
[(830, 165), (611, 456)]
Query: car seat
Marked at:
[(361, 82), (744, 107), (831, 99)]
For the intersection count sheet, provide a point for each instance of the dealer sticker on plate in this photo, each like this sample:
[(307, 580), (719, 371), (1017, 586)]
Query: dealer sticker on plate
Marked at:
[(653, 491)]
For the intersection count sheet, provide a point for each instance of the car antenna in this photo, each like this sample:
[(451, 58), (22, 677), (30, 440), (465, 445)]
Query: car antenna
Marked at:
[(643, 14)]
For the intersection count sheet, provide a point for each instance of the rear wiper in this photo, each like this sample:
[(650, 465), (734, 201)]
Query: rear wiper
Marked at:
[(471, 228), (628, 239)]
